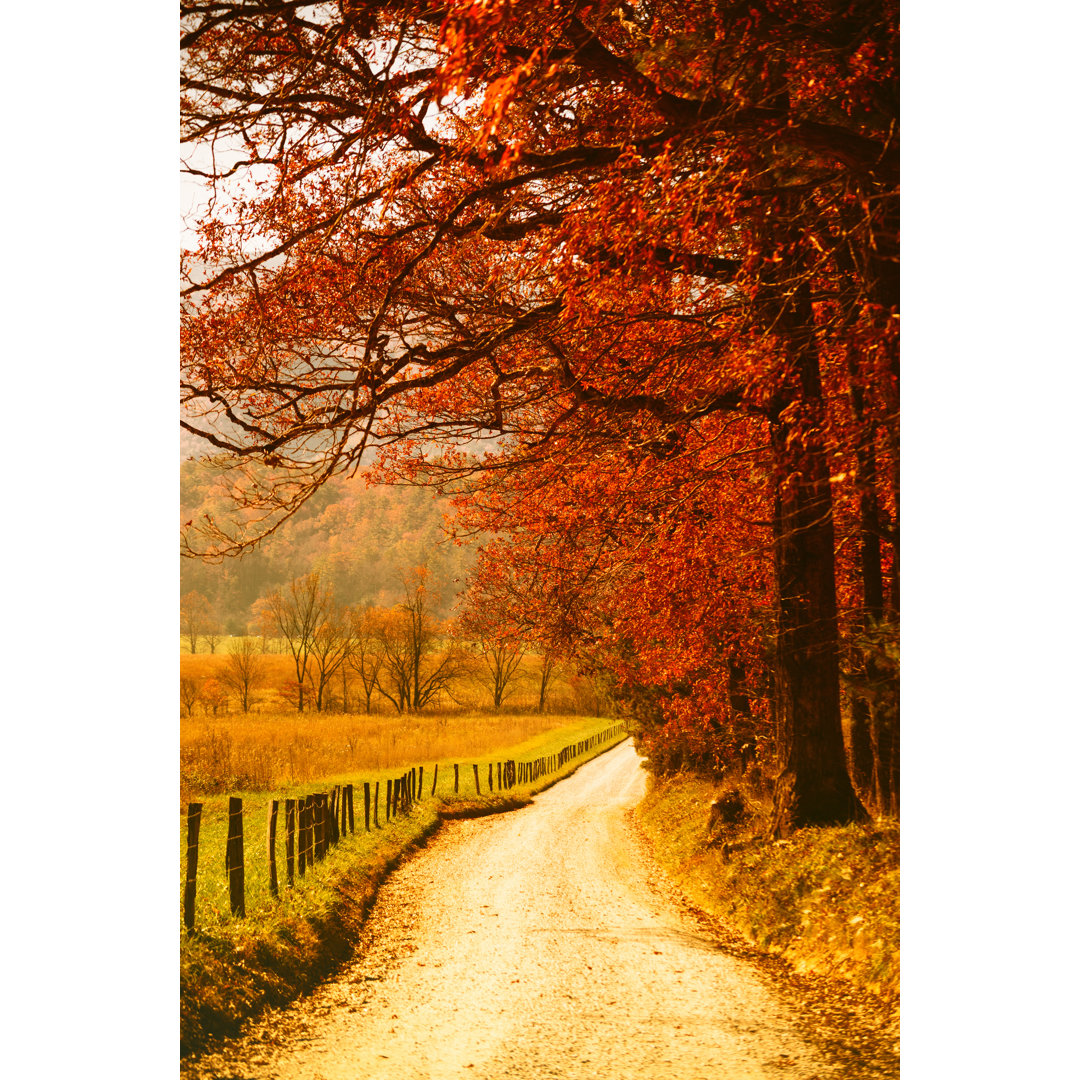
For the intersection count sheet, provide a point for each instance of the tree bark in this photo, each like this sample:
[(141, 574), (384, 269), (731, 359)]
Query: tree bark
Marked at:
[(814, 787), (863, 740)]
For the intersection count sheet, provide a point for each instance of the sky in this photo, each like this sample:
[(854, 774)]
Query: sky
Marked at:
[(989, 637)]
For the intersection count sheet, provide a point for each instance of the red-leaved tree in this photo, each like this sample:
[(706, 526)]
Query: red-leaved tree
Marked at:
[(647, 253)]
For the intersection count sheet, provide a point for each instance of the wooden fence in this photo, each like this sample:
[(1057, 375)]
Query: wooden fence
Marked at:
[(316, 823)]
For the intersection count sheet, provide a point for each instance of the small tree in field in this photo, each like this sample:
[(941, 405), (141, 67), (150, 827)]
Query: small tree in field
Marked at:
[(195, 616), (189, 694), (296, 613), (213, 633), (502, 658), (330, 647), (213, 696), (245, 669), (365, 657), (501, 648), (415, 671), (499, 620)]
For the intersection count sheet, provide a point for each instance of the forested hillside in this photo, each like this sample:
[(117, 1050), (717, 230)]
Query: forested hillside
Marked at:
[(358, 538)]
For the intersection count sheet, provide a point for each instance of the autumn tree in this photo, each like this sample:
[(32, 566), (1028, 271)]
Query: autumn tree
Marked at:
[(213, 695), (365, 657), (213, 633), (549, 665), (614, 236), (296, 614), (490, 624), (245, 670), (195, 616), (502, 656), (331, 644), (189, 694), (418, 663)]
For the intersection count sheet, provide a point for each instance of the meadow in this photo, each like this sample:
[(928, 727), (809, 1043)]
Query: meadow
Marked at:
[(272, 751)]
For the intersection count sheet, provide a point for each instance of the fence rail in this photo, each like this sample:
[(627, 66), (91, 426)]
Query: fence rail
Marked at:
[(317, 822)]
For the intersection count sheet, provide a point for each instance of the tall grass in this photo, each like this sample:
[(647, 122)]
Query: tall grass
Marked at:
[(268, 751)]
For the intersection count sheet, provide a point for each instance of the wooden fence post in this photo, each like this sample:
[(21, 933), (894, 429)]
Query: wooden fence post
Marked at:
[(388, 800), (290, 839), (455, 779), (491, 784), (194, 819), (234, 856), (476, 777), (309, 822), (309, 829), (420, 785), (272, 845), (435, 779), (498, 774), (301, 834), (318, 822), (397, 793), (376, 803), (352, 826), (367, 806)]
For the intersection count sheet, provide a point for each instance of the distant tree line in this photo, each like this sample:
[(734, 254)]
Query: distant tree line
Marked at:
[(346, 656)]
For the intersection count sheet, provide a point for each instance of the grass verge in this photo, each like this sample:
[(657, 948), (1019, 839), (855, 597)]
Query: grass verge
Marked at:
[(827, 900), (232, 968)]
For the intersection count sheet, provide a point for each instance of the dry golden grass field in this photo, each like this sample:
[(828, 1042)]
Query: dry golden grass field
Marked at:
[(273, 745)]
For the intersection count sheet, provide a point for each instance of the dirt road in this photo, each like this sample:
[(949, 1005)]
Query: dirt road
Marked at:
[(533, 945)]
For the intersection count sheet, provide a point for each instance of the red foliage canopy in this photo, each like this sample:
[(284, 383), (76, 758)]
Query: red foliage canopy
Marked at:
[(626, 274)]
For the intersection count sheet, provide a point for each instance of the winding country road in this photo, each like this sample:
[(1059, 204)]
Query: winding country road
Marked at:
[(528, 945)]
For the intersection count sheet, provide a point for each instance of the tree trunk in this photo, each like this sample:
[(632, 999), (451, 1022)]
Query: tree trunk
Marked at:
[(862, 720), (742, 720), (814, 787), (875, 713)]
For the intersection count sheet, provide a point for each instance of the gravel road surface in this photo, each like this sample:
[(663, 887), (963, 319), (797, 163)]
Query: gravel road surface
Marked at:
[(533, 944)]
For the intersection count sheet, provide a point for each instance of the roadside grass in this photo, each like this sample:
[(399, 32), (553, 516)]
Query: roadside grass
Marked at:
[(827, 899), (231, 967)]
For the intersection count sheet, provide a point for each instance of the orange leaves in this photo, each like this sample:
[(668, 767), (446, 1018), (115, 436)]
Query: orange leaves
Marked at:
[(630, 242)]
